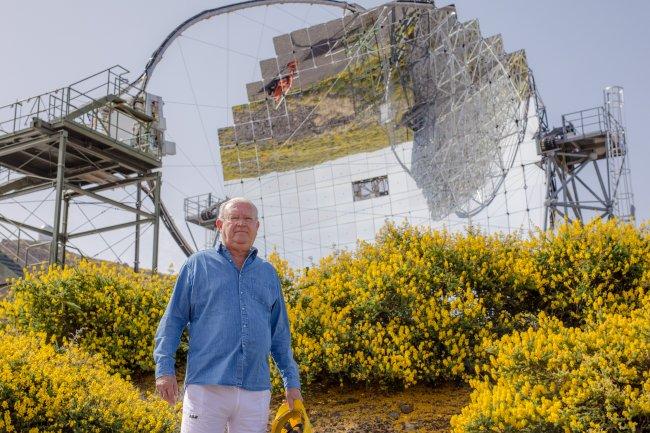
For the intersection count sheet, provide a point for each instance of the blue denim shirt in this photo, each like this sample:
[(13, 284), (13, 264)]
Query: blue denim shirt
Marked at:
[(235, 319)]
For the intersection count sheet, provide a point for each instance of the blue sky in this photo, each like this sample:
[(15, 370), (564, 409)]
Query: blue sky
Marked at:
[(575, 49)]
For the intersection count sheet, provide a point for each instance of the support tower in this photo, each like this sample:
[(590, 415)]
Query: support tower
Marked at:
[(586, 161), (84, 140)]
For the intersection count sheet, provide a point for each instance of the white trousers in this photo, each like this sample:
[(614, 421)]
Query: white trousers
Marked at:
[(210, 408)]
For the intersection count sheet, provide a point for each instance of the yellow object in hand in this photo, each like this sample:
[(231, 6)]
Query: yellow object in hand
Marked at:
[(291, 421)]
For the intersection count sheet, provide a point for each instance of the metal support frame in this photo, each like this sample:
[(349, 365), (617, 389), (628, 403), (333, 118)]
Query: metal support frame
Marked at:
[(25, 226), (138, 205), (60, 179), (569, 194), (66, 192), (92, 157), (117, 184), (156, 224), (202, 210), (27, 190), (618, 155), (109, 228), (107, 200), (19, 147), (64, 228), (591, 180)]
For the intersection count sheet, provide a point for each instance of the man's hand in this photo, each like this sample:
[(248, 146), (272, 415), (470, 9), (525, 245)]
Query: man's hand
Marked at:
[(168, 388), (292, 394)]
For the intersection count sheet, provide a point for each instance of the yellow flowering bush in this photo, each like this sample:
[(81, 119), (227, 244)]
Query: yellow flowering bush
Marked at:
[(286, 276), (586, 270), (48, 389), (564, 379), (412, 307), (417, 305), (106, 309)]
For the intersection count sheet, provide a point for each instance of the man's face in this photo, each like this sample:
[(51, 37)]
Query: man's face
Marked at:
[(238, 227)]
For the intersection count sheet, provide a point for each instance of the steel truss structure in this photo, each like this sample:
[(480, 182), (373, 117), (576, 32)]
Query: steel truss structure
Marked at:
[(400, 72), (203, 210), (97, 135), (586, 161), (464, 98), (83, 140), (405, 77), (412, 70)]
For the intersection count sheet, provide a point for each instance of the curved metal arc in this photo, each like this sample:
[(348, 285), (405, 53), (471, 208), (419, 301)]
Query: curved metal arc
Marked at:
[(210, 13), (141, 82), (157, 55)]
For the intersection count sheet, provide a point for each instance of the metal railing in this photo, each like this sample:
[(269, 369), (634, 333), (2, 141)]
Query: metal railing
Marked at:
[(44, 262), (592, 120), (202, 207), (29, 247), (88, 102)]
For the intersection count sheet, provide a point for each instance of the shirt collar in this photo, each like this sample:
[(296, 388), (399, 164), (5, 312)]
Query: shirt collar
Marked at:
[(223, 250)]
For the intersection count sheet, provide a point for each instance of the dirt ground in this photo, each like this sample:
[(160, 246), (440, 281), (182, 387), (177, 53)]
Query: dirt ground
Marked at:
[(345, 409), (363, 410)]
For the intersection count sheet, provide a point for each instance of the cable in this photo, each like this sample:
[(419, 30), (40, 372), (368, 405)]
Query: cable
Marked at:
[(259, 45), (106, 209), (277, 31), (142, 232), (212, 44), (198, 111), (128, 235), (100, 235), (194, 105)]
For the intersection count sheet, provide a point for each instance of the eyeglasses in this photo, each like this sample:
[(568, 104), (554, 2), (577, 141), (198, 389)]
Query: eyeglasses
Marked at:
[(235, 220)]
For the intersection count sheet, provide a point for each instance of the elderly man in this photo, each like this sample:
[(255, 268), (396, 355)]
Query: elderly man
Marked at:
[(231, 302)]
